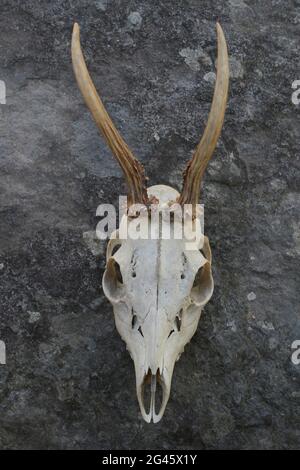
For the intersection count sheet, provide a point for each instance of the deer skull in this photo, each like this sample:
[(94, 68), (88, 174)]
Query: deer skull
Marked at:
[(157, 286)]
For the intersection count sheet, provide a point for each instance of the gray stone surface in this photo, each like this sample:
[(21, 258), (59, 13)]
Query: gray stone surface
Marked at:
[(69, 382)]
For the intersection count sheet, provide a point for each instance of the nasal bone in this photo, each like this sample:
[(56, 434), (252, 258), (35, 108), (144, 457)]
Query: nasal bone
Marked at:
[(153, 384), (153, 391), (152, 380), (153, 387)]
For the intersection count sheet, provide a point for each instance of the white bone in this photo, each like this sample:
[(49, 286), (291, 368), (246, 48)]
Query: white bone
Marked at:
[(156, 306)]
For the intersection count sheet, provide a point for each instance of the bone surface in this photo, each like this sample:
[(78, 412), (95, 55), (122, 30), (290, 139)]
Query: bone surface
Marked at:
[(157, 288)]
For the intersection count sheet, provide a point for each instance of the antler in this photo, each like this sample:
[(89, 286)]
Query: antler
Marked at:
[(133, 170), (195, 169)]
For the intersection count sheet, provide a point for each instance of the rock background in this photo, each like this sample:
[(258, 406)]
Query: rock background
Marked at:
[(69, 382)]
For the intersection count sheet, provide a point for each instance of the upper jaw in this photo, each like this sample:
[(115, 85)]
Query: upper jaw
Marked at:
[(152, 381)]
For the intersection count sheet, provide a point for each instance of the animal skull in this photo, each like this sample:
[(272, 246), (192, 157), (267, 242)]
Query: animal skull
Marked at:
[(157, 286)]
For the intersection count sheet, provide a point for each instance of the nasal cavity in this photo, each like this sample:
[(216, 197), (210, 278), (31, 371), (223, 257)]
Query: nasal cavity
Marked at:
[(152, 392)]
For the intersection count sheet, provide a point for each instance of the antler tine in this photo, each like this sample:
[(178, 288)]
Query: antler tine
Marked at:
[(133, 170), (196, 167)]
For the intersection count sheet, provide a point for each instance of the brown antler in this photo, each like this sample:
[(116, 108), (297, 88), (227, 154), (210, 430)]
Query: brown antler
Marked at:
[(195, 169), (133, 170)]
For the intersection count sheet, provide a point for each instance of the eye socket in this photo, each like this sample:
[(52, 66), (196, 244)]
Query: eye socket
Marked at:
[(118, 273), (113, 246), (112, 282), (115, 249), (197, 277), (133, 274), (203, 286), (182, 276)]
